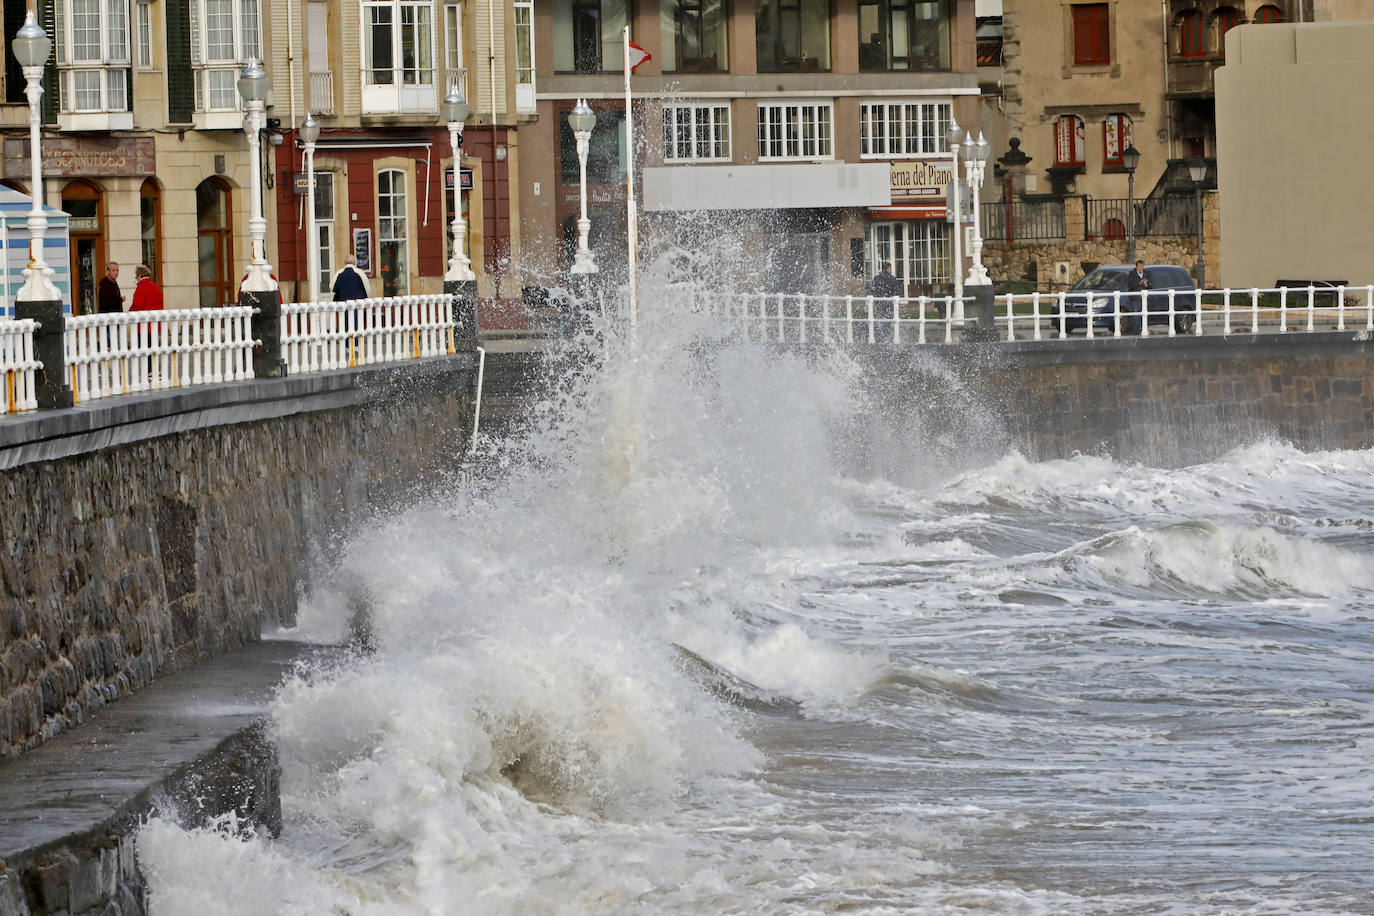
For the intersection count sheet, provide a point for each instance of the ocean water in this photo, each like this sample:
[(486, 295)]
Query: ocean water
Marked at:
[(722, 633)]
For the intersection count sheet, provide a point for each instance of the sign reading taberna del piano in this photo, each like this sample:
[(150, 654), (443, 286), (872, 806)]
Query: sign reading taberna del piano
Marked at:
[(922, 183)]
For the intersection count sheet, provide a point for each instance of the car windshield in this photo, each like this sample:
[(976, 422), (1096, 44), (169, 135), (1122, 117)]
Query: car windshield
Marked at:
[(1101, 279)]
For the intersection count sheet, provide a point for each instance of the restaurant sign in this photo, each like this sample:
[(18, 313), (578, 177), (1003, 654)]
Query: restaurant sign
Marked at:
[(920, 181), (93, 157)]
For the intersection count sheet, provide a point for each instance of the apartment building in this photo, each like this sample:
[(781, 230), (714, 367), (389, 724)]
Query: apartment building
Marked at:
[(791, 144), (144, 143)]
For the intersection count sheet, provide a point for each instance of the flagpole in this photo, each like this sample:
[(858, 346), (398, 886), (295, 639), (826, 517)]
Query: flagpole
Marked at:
[(632, 233)]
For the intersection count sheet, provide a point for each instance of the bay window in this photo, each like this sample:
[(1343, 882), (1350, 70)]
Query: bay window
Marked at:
[(398, 56), (696, 133), (225, 35), (795, 130), (896, 129), (92, 56)]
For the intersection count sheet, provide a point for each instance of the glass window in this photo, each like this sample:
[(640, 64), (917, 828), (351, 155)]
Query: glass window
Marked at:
[(524, 55), (606, 154), (795, 130), (918, 250), (896, 129), (145, 37), (1068, 140), (224, 37), (904, 35), (694, 36), (1226, 19), (93, 55), (792, 35), (392, 233), (399, 43), (696, 133), (453, 38), (324, 229), (1192, 37), (1091, 34), (587, 36), (150, 228), (1116, 136)]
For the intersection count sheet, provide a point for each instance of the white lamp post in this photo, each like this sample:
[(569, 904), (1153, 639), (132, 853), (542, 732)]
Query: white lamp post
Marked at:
[(1130, 159), (253, 85), (975, 155), (953, 135), (1197, 170), (31, 48), (582, 120), (310, 133), (455, 112)]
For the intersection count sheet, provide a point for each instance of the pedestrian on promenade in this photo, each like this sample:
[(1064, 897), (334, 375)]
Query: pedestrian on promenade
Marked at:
[(350, 283), (108, 297), (147, 298), (885, 288)]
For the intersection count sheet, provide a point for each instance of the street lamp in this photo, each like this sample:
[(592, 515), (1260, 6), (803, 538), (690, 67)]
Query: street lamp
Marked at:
[(310, 133), (1197, 170), (953, 135), (455, 112), (1130, 158), (975, 155), (582, 120), (253, 85), (31, 48)]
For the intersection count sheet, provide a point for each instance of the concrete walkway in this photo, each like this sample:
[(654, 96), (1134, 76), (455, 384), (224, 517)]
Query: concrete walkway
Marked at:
[(69, 808)]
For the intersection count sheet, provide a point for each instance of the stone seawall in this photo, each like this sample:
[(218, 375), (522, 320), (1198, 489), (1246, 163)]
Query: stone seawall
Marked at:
[(142, 535), (1166, 401)]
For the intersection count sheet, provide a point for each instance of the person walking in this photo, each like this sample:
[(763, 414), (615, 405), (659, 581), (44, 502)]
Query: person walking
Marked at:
[(350, 284), (885, 288), (108, 296), (1135, 307)]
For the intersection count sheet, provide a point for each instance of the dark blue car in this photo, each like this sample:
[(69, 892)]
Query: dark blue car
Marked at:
[(1096, 292)]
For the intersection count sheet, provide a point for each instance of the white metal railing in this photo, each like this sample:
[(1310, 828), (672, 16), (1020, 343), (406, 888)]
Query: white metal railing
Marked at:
[(131, 352), (799, 318), (318, 336), (18, 365), (322, 92)]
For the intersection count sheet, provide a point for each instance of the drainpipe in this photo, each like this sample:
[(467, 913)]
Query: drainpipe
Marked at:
[(1168, 114)]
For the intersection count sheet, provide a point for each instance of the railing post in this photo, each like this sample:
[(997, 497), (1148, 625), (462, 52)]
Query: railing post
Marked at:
[(984, 313), (266, 330), (49, 340)]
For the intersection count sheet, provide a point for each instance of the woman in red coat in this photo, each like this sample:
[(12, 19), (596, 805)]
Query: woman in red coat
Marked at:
[(147, 295)]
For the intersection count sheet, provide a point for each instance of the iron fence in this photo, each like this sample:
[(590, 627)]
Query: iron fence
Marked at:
[(1022, 220), (1105, 218)]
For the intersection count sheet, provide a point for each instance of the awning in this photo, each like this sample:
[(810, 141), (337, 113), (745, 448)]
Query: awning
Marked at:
[(932, 211)]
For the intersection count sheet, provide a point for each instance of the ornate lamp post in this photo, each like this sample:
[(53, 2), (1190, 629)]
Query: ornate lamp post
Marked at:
[(253, 85), (455, 112), (954, 134), (38, 298), (1197, 170), (975, 155), (258, 288), (582, 120), (1130, 158), (310, 134)]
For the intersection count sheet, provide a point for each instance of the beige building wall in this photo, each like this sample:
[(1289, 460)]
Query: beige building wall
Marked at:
[(1041, 82), (1296, 208)]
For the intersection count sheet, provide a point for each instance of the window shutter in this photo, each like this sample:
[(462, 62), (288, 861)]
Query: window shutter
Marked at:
[(47, 18), (180, 88)]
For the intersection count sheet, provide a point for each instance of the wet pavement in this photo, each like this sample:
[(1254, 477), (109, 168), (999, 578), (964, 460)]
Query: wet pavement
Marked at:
[(111, 765)]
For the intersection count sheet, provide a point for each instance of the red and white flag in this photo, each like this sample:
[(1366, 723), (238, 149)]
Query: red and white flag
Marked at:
[(635, 55)]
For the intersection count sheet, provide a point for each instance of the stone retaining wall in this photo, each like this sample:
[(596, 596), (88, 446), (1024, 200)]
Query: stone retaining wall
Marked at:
[(145, 534)]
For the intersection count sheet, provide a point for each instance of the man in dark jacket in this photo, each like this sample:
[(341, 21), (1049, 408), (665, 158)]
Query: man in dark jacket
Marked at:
[(884, 287), (108, 298), (350, 282)]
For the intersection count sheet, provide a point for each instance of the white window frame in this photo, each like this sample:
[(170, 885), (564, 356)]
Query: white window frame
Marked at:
[(796, 130), (696, 132), (219, 55), (904, 128), (325, 186), (93, 75), (407, 88), (453, 48), (144, 33), (393, 224), (919, 250), (524, 37)]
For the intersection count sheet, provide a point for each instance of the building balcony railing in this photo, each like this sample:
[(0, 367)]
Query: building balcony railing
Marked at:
[(1022, 220), (322, 92), (1105, 218), (1192, 76)]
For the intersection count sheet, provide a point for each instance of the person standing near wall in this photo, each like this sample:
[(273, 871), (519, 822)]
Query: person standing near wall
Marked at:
[(350, 283), (147, 294)]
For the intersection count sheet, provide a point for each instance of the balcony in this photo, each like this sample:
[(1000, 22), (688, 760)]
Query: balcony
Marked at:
[(322, 92), (1191, 77)]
